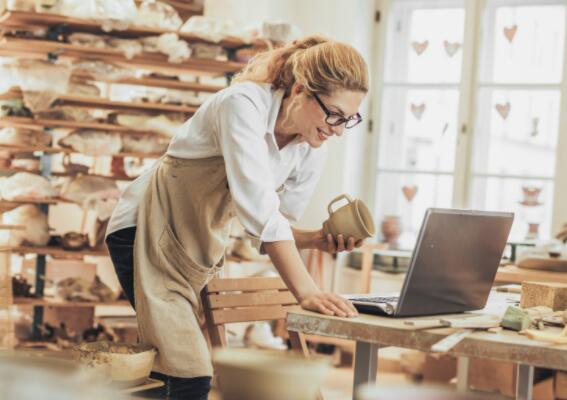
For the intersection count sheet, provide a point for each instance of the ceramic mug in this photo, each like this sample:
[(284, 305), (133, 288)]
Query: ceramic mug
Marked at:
[(353, 219)]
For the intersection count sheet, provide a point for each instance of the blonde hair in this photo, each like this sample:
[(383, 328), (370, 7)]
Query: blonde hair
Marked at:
[(319, 64)]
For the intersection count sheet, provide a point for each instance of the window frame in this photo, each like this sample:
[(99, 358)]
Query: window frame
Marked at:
[(476, 19)]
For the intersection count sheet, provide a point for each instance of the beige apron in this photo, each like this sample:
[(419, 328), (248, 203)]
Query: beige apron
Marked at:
[(182, 231)]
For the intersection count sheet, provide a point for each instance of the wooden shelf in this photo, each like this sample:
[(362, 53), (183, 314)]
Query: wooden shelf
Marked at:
[(99, 103), (105, 104), (25, 19), (30, 201), (43, 302), (154, 82), (33, 48), (57, 123), (15, 203), (65, 174), (54, 251), (55, 150)]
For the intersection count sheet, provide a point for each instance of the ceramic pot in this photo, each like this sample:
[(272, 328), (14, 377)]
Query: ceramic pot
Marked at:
[(353, 219), (391, 228)]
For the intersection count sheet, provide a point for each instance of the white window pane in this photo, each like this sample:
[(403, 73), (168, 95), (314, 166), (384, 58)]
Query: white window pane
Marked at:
[(495, 194), (517, 132), (435, 27), (535, 51), (430, 191), (425, 44), (419, 129)]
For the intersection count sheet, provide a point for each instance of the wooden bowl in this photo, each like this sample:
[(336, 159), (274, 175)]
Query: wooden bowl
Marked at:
[(246, 374), (125, 364)]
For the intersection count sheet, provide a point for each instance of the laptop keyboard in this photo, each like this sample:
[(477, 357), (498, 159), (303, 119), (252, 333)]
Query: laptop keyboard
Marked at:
[(393, 299)]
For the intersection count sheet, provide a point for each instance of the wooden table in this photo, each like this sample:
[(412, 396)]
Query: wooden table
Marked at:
[(513, 274), (370, 332)]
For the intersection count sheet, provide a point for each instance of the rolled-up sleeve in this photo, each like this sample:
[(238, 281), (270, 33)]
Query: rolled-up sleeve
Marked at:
[(241, 131), (302, 182)]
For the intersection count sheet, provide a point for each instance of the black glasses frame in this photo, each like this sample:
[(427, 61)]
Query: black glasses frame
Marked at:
[(349, 122)]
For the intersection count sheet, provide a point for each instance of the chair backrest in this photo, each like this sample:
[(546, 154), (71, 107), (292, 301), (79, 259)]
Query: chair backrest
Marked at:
[(247, 299), (228, 300)]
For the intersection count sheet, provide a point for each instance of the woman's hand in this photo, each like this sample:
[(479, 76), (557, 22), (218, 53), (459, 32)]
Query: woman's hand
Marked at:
[(330, 245), (329, 304)]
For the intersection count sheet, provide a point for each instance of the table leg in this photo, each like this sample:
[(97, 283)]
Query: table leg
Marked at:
[(525, 382), (365, 364), (462, 374)]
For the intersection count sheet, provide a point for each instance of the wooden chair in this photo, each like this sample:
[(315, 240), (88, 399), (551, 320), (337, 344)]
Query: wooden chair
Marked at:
[(247, 300)]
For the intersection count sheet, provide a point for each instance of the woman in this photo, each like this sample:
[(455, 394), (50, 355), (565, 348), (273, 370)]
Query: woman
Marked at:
[(254, 150)]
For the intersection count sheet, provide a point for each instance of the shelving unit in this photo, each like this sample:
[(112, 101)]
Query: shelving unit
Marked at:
[(44, 49), (67, 174), (11, 46), (105, 104), (56, 251), (54, 150), (28, 301), (154, 82), (39, 123), (27, 20)]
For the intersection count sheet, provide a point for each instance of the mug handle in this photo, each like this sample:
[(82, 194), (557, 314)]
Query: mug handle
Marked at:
[(336, 199)]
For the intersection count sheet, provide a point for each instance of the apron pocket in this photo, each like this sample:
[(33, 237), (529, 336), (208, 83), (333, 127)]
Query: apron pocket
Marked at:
[(180, 268)]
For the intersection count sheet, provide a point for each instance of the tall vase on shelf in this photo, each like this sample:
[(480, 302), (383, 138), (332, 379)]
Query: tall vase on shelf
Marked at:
[(532, 210), (391, 228)]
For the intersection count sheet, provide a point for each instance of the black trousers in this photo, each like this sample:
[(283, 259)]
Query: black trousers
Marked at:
[(121, 248)]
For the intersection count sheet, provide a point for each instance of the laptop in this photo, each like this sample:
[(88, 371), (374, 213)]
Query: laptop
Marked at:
[(452, 267)]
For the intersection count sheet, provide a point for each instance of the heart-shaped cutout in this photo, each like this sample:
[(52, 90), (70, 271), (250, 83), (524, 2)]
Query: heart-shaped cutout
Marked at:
[(503, 109), (451, 48), (409, 192), (417, 110), (420, 47), (510, 32)]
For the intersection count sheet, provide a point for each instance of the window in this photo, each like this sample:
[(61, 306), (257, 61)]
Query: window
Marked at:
[(420, 106), (427, 101), (517, 121)]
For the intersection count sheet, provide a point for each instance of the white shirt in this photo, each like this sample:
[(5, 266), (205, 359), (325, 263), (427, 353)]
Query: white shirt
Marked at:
[(269, 187)]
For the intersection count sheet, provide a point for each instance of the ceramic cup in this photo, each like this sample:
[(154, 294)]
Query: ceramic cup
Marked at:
[(353, 219)]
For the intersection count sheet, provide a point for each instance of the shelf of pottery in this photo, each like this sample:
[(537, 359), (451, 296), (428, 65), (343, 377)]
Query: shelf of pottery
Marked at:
[(88, 100)]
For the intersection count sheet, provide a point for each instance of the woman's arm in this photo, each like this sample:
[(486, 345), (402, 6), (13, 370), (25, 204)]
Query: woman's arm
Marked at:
[(306, 239), (286, 259)]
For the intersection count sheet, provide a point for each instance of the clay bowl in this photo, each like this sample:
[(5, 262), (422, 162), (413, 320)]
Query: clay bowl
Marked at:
[(45, 375), (246, 374), (126, 365), (74, 241)]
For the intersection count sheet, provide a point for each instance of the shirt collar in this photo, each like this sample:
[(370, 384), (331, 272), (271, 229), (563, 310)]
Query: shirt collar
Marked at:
[(277, 98)]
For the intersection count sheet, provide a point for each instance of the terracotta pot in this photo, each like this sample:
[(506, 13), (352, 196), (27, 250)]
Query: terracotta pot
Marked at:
[(391, 228)]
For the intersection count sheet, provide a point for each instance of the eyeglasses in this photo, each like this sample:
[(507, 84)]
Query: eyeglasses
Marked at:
[(336, 119)]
